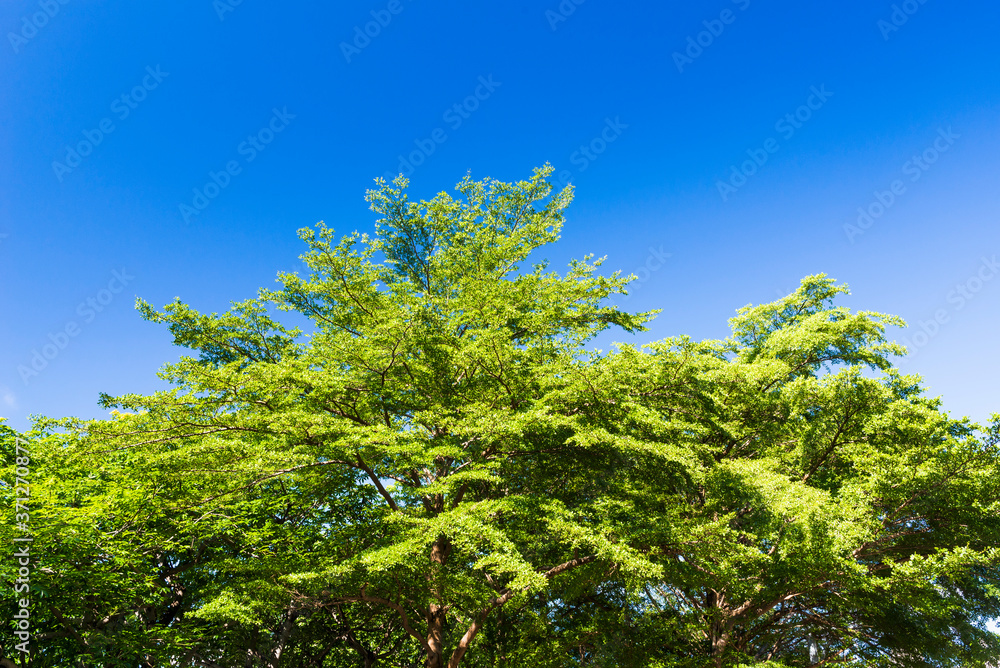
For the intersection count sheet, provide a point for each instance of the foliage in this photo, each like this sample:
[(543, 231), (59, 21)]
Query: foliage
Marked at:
[(440, 473)]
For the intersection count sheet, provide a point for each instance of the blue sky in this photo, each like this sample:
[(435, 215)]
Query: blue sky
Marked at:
[(721, 150)]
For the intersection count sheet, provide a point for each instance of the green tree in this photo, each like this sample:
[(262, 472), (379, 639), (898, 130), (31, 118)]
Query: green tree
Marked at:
[(439, 472), (420, 388), (805, 501)]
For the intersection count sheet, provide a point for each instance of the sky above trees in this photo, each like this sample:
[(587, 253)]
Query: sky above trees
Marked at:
[(720, 151)]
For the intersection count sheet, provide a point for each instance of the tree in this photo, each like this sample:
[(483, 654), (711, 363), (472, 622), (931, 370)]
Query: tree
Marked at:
[(420, 388), (802, 511), (127, 562), (439, 471)]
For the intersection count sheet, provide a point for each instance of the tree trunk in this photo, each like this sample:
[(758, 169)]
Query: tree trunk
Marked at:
[(719, 635), (435, 636), (436, 611)]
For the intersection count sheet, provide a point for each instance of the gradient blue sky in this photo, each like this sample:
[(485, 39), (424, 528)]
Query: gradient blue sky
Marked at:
[(652, 191)]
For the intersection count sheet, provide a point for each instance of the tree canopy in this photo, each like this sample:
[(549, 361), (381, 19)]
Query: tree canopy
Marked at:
[(439, 472)]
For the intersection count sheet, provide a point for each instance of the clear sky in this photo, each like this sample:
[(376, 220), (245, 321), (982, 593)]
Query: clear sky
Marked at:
[(731, 147)]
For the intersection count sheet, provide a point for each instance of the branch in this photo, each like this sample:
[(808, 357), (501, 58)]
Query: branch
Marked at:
[(363, 596), (378, 484), (477, 624)]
